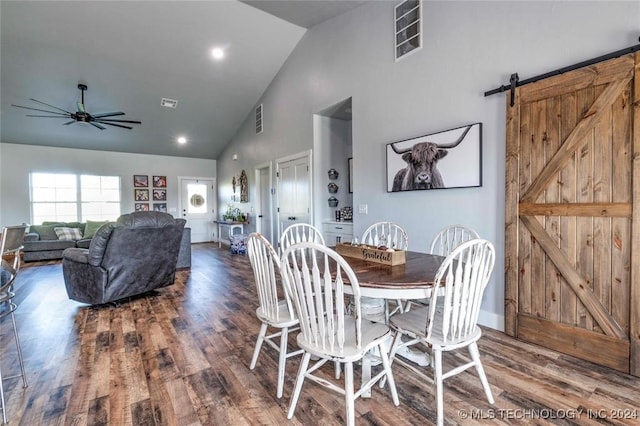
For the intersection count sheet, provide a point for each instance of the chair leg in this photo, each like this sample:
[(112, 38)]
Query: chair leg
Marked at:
[(15, 332), (282, 362), (475, 356), (437, 358), (256, 351), (337, 370), (299, 380), (387, 367), (4, 405), (392, 352), (348, 394)]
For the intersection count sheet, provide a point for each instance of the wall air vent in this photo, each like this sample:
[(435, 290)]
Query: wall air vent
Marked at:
[(259, 119), (408, 27), (169, 103)]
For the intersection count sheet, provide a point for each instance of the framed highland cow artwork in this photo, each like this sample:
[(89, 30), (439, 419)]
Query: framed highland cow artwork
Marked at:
[(448, 159)]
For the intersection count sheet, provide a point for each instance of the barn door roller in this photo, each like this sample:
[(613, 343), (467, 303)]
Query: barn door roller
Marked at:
[(515, 82)]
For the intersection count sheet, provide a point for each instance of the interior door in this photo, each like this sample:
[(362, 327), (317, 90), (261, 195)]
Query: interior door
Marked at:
[(263, 202), (294, 192), (197, 204), (572, 196)]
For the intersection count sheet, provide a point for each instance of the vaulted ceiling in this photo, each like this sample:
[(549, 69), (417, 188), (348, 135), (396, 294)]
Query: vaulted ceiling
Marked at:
[(131, 54)]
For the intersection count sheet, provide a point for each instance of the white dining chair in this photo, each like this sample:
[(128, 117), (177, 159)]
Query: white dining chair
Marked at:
[(315, 276), (443, 244), (450, 322), (451, 237), (10, 246), (390, 235), (298, 233), (273, 310)]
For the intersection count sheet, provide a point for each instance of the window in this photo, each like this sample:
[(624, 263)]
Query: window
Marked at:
[(69, 198)]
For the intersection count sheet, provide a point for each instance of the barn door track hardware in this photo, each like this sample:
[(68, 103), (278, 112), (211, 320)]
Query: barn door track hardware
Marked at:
[(514, 81)]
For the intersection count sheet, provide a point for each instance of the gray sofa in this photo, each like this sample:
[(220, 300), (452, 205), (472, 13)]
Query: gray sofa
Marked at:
[(134, 255), (42, 242)]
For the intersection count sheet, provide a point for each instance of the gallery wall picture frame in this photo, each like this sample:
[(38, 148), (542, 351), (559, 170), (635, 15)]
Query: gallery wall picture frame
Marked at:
[(447, 159), (141, 207), (159, 194), (159, 181), (350, 173), (160, 207), (140, 181), (141, 194)]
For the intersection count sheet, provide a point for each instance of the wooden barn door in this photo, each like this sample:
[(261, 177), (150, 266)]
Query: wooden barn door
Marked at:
[(572, 242)]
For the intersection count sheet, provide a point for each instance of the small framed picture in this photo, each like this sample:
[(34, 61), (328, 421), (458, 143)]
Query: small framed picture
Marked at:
[(141, 194), (159, 181), (142, 207), (159, 195), (140, 180), (160, 207)]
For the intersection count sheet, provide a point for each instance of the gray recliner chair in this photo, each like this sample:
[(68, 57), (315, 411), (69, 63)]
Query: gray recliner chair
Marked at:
[(134, 255)]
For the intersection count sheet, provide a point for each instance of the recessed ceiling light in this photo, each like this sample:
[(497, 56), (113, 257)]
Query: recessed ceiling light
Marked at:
[(217, 53), (182, 140)]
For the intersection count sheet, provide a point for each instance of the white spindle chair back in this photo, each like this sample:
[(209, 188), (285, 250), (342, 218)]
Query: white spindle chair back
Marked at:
[(299, 233), (386, 234), (464, 275), (314, 276), (450, 238), (266, 264)]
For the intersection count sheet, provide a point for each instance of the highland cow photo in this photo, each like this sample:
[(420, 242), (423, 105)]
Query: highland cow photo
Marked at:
[(447, 159)]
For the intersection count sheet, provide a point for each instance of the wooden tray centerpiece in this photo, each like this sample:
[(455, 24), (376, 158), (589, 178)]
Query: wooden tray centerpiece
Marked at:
[(372, 254)]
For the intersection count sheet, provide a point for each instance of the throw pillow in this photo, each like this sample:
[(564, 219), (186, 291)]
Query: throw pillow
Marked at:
[(45, 232), (68, 233), (91, 227)]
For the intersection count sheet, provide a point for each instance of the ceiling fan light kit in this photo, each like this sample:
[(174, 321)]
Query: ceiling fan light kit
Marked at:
[(81, 115)]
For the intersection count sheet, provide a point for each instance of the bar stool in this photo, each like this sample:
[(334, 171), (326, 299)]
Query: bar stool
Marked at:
[(11, 245)]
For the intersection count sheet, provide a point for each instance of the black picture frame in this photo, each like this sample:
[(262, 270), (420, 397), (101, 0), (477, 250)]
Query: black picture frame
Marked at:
[(141, 194), (441, 160), (350, 174), (159, 181), (159, 194), (141, 207), (160, 207), (140, 181)]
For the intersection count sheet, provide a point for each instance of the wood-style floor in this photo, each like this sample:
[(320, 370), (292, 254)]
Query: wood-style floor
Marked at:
[(181, 357)]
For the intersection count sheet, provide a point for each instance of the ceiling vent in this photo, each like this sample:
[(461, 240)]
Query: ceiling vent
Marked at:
[(408, 27), (169, 103), (259, 119)]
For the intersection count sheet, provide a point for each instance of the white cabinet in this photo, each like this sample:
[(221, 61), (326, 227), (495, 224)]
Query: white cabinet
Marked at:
[(335, 232)]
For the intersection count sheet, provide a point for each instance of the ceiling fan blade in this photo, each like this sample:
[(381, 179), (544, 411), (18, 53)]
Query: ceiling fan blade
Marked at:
[(102, 120), (43, 110), (113, 124), (49, 116), (97, 125), (69, 122), (80, 107), (107, 114), (50, 106)]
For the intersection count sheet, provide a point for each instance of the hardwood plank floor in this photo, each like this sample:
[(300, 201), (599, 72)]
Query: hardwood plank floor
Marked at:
[(181, 355)]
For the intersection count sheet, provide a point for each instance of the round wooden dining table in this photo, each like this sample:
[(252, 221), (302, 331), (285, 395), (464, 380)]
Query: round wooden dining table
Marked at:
[(411, 280)]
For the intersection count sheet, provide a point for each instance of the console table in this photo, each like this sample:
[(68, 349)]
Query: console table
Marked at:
[(232, 225)]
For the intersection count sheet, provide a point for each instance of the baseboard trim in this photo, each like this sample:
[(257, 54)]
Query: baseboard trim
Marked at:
[(491, 320)]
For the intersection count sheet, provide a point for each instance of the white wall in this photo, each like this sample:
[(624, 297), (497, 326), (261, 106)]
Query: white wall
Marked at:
[(17, 161), (469, 48)]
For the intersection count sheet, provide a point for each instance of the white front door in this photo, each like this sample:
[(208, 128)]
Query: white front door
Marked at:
[(263, 201), (197, 206), (294, 191)]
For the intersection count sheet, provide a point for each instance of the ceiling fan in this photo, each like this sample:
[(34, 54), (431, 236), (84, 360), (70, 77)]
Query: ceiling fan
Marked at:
[(82, 116)]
